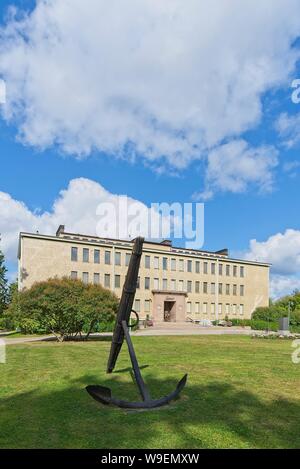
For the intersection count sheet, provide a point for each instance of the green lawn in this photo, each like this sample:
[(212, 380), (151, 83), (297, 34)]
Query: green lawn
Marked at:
[(241, 393)]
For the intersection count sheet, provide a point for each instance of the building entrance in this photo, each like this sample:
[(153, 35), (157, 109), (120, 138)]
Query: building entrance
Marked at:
[(169, 311)]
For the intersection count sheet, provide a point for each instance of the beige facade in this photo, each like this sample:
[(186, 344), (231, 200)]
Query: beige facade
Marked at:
[(174, 283)]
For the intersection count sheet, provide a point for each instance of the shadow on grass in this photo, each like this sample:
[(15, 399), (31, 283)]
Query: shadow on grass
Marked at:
[(213, 415)]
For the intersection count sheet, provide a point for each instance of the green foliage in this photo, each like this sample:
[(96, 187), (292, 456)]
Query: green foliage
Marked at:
[(3, 284), (261, 325), (64, 307)]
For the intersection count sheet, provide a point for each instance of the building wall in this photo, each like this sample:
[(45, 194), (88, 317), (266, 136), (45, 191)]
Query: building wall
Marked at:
[(42, 257)]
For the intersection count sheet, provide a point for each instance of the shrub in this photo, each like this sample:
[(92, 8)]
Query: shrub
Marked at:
[(260, 325), (64, 307)]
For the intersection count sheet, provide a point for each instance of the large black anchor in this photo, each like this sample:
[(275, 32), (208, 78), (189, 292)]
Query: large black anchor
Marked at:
[(103, 394)]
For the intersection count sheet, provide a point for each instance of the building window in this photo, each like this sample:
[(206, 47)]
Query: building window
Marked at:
[(127, 258), (213, 268), (227, 270), (137, 305), (96, 279), (107, 280), (189, 266), (197, 307), (138, 282), (234, 270), (189, 286), (197, 287), (180, 285), (204, 287), (227, 289), (212, 308), (147, 306), (85, 255), (165, 263), (242, 290), (242, 271), (107, 257), (234, 309), (85, 277), (156, 284), (181, 265), (173, 284), (74, 275), (74, 254), (227, 309), (156, 262), (205, 267), (241, 309), (220, 310), (197, 267), (117, 258), (147, 262), (220, 288), (212, 288), (147, 283), (220, 269), (189, 307), (204, 307), (234, 288), (117, 281), (96, 256), (165, 284), (173, 264)]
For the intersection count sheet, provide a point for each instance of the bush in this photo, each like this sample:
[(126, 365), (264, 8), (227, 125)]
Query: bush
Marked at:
[(260, 325), (63, 307)]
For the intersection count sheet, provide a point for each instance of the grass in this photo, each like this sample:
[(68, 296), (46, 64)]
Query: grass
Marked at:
[(241, 393)]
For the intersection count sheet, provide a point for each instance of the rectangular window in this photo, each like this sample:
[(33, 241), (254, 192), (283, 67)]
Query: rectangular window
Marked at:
[(156, 284), (197, 267), (96, 256), (242, 271), (156, 262), (138, 282), (204, 308), (227, 309), (189, 286), (165, 263), (220, 269), (107, 257), (180, 285), (204, 287), (220, 288), (197, 287), (212, 288), (147, 306), (74, 275), (234, 309), (117, 281), (74, 254), (189, 266), (241, 309), (107, 280), (173, 284), (234, 288), (127, 258), (242, 290), (227, 289), (213, 268), (212, 308), (165, 284), (147, 283), (117, 258), (147, 262), (197, 308), (85, 277), (96, 279), (189, 307), (85, 255), (227, 270), (181, 265), (205, 267), (234, 270), (220, 310), (137, 305), (173, 264)]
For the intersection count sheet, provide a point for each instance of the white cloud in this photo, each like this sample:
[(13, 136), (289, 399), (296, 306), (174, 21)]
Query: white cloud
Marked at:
[(281, 285), (234, 167), (167, 80), (288, 128)]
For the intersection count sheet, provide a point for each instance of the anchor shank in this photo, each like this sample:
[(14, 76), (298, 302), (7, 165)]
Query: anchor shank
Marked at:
[(136, 369)]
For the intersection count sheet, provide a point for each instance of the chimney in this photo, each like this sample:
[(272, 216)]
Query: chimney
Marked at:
[(60, 230)]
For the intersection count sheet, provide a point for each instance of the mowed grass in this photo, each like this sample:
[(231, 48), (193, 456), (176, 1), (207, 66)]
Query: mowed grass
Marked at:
[(241, 393)]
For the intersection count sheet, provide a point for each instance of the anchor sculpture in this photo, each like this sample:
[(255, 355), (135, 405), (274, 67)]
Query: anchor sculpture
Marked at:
[(103, 394)]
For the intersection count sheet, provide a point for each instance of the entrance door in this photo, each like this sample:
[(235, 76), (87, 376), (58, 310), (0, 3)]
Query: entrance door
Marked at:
[(169, 311)]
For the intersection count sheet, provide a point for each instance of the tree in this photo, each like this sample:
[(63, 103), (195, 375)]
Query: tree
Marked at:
[(3, 284)]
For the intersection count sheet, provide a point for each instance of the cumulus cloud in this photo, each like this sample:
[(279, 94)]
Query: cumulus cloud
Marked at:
[(235, 166), (288, 128), (281, 285), (163, 80), (84, 207)]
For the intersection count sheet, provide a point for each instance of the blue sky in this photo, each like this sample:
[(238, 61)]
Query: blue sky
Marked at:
[(42, 153)]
